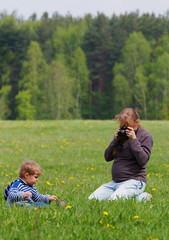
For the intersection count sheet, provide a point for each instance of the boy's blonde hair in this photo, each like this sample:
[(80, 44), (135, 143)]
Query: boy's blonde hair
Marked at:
[(30, 167)]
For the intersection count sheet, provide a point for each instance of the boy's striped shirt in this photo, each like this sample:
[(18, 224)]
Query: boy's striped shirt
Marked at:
[(15, 190)]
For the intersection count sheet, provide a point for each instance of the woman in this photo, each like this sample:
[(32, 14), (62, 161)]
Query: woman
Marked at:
[(131, 150)]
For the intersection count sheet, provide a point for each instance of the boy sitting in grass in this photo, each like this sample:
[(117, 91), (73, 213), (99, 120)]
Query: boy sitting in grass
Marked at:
[(22, 191)]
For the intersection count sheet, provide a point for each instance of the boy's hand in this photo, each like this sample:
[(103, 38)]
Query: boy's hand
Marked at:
[(27, 194), (53, 198)]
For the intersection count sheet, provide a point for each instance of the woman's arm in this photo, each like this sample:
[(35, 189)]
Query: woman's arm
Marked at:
[(141, 148), (109, 152)]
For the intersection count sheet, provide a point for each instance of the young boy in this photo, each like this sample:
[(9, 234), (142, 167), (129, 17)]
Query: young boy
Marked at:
[(22, 191)]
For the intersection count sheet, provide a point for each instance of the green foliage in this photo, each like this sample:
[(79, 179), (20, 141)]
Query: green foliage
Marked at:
[(141, 91), (160, 77), (66, 40), (90, 48), (136, 52), (71, 153), (59, 91), (122, 92), (81, 84), (4, 102), (98, 47), (25, 110), (130, 82), (33, 75)]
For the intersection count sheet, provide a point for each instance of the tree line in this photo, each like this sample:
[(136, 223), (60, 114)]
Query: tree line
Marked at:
[(70, 68)]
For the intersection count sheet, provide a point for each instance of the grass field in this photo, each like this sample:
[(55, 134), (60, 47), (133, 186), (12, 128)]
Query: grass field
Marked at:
[(71, 154)]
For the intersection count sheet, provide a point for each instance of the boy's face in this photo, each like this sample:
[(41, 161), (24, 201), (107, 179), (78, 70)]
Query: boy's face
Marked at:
[(31, 179)]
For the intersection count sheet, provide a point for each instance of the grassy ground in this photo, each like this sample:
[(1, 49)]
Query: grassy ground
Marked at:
[(71, 155)]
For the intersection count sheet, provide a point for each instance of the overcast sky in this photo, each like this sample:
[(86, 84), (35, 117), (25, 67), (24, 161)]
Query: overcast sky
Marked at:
[(78, 8)]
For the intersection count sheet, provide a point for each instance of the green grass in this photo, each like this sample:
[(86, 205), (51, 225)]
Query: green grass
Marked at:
[(71, 154)]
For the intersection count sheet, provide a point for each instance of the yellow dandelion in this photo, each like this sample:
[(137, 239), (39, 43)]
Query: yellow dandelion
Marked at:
[(107, 225), (71, 178), (105, 213), (50, 160), (62, 164), (62, 181), (100, 221), (64, 140), (68, 207), (78, 185), (153, 189), (136, 217), (113, 227), (48, 183)]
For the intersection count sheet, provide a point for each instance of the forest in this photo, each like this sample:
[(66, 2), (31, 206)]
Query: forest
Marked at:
[(62, 67)]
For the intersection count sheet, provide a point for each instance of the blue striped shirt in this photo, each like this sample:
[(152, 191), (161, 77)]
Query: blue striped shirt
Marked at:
[(14, 193)]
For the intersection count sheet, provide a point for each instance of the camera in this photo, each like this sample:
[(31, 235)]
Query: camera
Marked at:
[(122, 132)]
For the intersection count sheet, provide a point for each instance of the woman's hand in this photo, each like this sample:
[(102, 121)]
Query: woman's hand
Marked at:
[(130, 133), (116, 134), (53, 198)]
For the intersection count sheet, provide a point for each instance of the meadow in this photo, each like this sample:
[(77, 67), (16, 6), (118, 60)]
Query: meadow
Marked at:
[(71, 153)]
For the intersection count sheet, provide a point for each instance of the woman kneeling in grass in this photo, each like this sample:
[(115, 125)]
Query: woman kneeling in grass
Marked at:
[(130, 149)]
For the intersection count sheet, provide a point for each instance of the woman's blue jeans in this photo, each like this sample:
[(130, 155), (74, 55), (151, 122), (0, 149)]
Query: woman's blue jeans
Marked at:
[(113, 190)]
